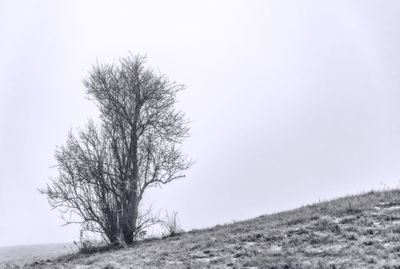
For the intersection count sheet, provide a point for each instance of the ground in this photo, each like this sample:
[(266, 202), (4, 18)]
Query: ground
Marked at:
[(360, 231), (20, 255)]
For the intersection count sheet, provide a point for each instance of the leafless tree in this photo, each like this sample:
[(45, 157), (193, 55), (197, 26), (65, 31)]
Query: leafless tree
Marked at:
[(104, 170)]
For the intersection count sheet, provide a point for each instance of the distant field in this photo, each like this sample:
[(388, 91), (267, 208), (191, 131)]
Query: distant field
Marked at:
[(360, 231), (20, 255)]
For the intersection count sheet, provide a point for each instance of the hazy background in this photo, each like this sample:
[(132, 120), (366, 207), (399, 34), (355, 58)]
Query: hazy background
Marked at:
[(291, 101)]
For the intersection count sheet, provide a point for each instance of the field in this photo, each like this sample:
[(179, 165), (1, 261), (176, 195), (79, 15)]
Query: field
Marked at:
[(360, 231), (20, 255)]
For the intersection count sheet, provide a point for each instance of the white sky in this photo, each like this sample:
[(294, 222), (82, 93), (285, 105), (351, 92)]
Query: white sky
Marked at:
[(291, 101)]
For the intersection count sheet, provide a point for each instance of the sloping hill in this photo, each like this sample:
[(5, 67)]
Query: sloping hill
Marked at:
[(361, 231)]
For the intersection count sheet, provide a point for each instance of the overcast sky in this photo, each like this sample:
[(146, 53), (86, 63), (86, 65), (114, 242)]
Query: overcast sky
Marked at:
[(291, 102)]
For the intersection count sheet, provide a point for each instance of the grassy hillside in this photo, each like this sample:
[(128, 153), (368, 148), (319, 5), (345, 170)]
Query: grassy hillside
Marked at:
[(361, 231)]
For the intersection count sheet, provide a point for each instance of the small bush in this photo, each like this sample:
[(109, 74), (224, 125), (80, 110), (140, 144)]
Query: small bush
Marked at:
[(171, 225), (87, 245)]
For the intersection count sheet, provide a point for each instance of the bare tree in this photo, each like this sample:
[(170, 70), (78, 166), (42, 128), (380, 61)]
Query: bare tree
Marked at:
[(105, 169)]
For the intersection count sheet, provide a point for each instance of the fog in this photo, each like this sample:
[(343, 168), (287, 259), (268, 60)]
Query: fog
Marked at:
[(291, 102)]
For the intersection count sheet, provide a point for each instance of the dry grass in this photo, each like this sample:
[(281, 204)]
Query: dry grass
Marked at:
[(360, 231)]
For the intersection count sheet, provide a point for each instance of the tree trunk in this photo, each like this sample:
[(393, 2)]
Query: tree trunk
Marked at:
[(128, 228), (127, 234)]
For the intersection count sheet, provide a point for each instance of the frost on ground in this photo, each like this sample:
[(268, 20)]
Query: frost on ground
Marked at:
[(360, 231)]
